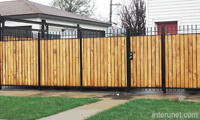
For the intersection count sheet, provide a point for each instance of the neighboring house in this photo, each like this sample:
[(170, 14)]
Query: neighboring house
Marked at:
[(115, 31), (172, 13), (24, 9)]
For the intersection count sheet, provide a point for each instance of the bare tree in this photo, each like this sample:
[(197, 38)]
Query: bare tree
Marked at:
[(82, 7), (133, 16)]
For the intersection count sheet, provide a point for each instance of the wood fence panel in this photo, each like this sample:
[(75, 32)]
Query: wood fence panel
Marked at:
[(104, 62), (17, 58), (146, 64), (182, 63), (60, 62)]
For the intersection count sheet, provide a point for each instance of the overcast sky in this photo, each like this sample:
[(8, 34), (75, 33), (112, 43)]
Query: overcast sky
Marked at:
[(102, 8)]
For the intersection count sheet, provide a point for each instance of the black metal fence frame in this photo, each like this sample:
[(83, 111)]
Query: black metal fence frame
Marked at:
[(129, 54)]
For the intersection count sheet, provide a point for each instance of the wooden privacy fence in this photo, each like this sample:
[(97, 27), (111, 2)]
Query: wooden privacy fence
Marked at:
[(182, 61), (104, 62)]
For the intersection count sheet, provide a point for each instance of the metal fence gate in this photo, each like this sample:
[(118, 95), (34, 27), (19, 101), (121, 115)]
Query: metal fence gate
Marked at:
[(164, 61)]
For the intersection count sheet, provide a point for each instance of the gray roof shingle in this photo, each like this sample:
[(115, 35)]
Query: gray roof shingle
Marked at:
[(23, 7)]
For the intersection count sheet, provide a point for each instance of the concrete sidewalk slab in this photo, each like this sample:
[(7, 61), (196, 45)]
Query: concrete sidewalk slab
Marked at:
[(83, 112)]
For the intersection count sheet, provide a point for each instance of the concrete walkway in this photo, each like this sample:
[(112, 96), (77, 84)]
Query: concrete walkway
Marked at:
[(83, 112)]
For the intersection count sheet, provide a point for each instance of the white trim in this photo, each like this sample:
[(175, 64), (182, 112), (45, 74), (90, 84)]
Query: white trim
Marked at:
[(179, 21)]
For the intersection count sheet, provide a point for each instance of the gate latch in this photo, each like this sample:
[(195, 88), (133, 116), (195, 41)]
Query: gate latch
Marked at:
[(131, 56)]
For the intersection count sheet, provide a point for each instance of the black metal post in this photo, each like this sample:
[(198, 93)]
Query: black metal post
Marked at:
[(47, 29), (78, 31), (2, 24), (81, 66), (163, 58), (128, 60), (2, 29), (43, 33), (39, 87), (103, 34)]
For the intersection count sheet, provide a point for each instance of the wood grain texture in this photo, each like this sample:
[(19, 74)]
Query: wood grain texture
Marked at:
[(104, 61)]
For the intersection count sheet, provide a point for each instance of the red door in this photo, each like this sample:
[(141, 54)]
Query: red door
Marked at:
[(170, 27)]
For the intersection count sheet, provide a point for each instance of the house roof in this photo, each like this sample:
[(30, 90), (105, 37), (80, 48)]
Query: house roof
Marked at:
[(25, 7)]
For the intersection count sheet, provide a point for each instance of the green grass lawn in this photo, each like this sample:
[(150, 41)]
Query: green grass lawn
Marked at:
[(23, 108), (142, 109)]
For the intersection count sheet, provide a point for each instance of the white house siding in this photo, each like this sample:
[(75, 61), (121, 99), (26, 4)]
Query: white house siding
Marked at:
[(15, 24), (54, 28), (185, 12)]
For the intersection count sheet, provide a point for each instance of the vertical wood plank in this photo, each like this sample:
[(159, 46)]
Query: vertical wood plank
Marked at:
[(11, 62), (29, 61), (14, 65), (52, 61), (85, 63), (174, 67), (20, 62), (7, 63), (138, 62), (157, 64), (49, 63), (194, 81), (102, 62), (113, 61), (182, 61), (99, 61), (132, 70), (166, 61), (61, 63), (95, 62), (88, 63), (105, 62), (64, 62), (58, 62), (153, 80), (170, 61), (32, 61), (77, 63), (26, 63), (186, 47), (190, 60), (120, 61), (123, 63), (149, 61), (55, 62), (198, 60), (67, 58), (109, 63), (92, 61), (145, 62), (178, 60), (71, 62), (46, 62), (142, 61), (116, 63)]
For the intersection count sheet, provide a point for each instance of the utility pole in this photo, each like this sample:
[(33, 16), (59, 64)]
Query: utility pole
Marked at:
[(111, 4), (110, 11)]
